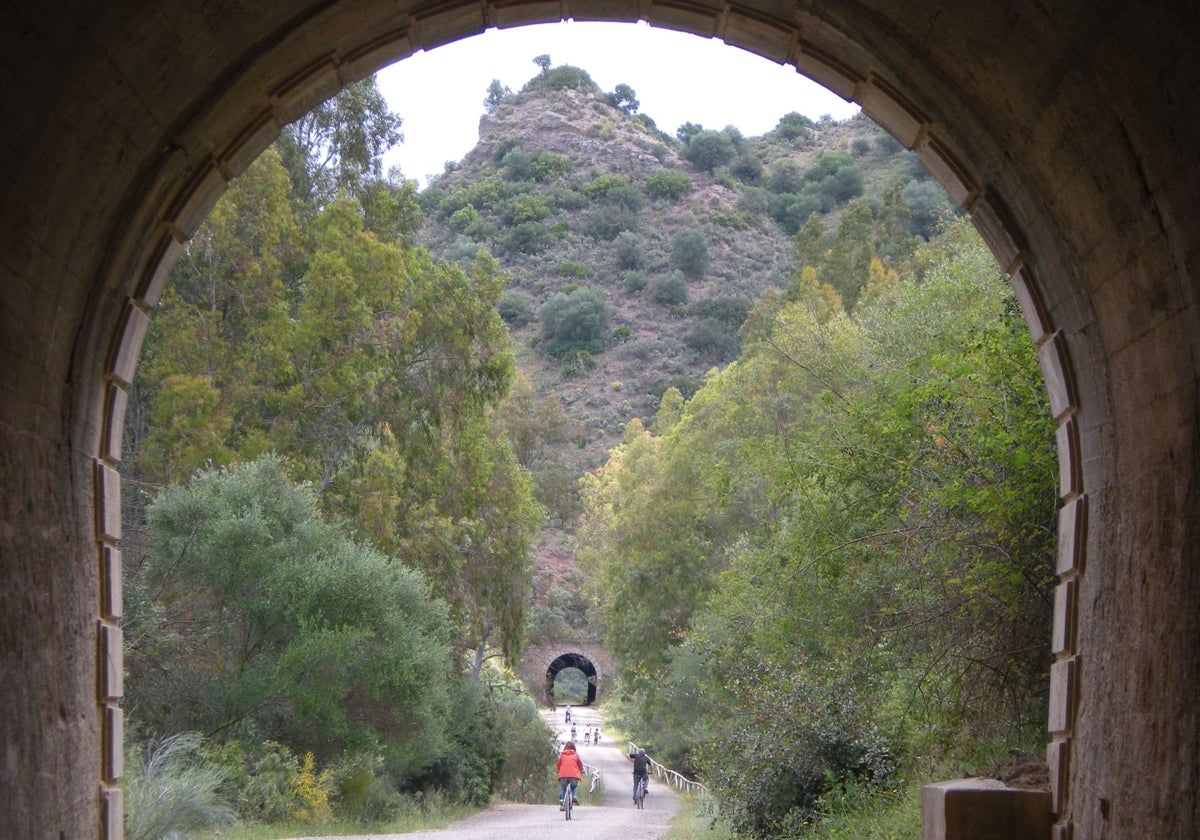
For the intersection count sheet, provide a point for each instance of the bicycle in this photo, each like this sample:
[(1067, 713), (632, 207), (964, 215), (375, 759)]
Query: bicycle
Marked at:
[(569, 793), (640, 799)]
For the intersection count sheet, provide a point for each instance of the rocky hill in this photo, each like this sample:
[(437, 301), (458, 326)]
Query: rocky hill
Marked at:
[(634, 256)]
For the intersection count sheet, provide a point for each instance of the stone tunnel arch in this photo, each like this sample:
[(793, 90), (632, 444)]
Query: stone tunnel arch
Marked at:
[(573, 660), (1068, 134)]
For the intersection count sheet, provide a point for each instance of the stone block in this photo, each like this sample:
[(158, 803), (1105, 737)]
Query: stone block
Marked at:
[(983, 809)]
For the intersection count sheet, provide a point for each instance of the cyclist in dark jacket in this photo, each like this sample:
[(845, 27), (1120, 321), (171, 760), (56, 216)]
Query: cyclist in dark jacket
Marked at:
[(641, 770)]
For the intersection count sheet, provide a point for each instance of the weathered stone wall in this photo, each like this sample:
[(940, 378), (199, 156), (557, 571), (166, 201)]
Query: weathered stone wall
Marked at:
[(1069, 131)]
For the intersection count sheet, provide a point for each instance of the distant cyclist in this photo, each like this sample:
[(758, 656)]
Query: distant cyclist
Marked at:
[(570, 771), (641, 770)]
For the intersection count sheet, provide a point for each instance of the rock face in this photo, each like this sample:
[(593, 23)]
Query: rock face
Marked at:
[(1069, 131), (574, 124)]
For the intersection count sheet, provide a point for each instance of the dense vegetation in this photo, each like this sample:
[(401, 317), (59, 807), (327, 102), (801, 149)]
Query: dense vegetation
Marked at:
[(837, 557), (330, 539), (816, 520)]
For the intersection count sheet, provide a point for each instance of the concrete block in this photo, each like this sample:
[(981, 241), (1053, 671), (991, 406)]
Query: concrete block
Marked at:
[(983, 809)]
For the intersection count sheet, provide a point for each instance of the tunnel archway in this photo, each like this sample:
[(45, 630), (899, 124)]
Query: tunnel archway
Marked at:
[(579, 662), (1068, 134)]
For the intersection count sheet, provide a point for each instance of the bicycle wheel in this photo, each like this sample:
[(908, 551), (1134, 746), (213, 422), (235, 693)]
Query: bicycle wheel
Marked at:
[(641, 797), (568, 802)]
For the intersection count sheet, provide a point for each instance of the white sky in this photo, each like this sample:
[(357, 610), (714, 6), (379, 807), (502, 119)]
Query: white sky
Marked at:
[(677, 78)]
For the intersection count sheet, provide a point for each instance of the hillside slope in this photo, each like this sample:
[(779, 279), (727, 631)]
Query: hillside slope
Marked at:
[(587, 205)]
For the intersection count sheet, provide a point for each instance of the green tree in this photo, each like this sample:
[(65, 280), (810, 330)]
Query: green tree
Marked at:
[(624, 98), (706, 150), (669, 289), (669, 185), (689, 252), (574, 321), (794, 126), (339, 145), (893, 228), (252, 614), (496, 94), (629, 250), (543, 62), (848, 265)]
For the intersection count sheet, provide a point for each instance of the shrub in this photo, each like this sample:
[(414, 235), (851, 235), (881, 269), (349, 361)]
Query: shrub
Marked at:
[(517, 165), (565, 77), (173, 791), (730, 312), (836, 176), (689, 252), (575, 321), (598, 188), (527, 207), (786, 177), (528, 238), (794, 126), (669, 289), (747, 168), (464, 218), (711, 340), (515, 309), (628, 250), (576, 362), (574, 269), (605, 223), (546, 166), (504, 147), (311, 792), (706, 150), (669, 185), (633, 281)]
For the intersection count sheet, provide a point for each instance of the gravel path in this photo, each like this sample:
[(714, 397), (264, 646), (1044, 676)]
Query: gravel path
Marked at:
[(617, 819)]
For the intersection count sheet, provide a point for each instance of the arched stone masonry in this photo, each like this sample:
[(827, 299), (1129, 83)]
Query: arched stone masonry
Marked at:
[(1068, 134)]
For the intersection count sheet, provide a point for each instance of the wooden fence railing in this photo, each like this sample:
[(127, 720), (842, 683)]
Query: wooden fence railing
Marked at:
[(672, 778)]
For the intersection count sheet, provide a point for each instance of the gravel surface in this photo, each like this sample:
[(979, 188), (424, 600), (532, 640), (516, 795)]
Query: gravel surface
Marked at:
[(616, 819)]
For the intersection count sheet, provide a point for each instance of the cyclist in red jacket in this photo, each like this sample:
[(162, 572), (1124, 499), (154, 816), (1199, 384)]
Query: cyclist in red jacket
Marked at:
[(570, 771)]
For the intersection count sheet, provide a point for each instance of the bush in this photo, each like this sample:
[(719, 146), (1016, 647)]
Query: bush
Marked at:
[(526, 207), (689, 252), (515, 308), (575, 321), (706, 150), (565, 77), (605, 223), (669, 289), (173, 790), (566, 268), (628, 250), (712, 341), (528, 238), (363, 792), (771, 782), (747, 169), (729, 312), (464, 219), (577, 362), (599, 188), (794, 126), (633, 281), (668, 185), (786, 177)]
